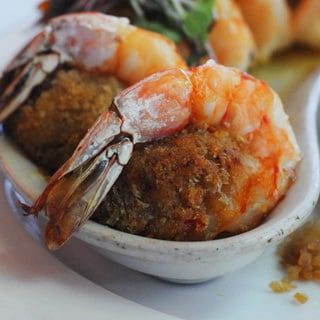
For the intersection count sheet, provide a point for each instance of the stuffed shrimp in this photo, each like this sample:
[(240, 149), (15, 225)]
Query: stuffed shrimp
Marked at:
[(58, 85), (181, 155)]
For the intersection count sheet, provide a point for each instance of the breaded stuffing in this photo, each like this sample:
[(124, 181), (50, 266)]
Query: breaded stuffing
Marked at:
[(300, 253), (182, 187), (49, 126)]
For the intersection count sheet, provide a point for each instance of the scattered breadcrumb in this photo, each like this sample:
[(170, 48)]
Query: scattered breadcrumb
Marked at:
[(300, 257), (281, 286), (300, 253), (300, 298)]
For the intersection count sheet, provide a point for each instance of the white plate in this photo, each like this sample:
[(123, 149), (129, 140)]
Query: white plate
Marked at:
[(34, 285), (192, 262)]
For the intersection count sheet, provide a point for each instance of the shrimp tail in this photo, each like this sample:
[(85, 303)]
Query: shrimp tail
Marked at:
[(79, 186)]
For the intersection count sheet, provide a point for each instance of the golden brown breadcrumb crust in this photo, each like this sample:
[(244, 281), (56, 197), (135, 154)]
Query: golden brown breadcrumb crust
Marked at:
[(181, 187), (49, 126)]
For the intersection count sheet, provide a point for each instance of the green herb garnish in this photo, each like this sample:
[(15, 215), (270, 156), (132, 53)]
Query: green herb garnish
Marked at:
[(170, 33), (196, 23), (191, 18)]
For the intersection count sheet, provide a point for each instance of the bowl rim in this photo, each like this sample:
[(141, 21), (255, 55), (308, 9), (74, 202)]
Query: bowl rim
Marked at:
[(265, 234)]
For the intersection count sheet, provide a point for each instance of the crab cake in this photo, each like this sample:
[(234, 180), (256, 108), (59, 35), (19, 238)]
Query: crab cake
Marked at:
[(171, 187), (50, 124)]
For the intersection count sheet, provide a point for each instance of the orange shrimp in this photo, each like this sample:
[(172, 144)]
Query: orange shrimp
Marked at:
[(230, 37), (270, 23), (306, 22), (90, 41)]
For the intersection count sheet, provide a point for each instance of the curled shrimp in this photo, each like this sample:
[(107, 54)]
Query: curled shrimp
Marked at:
[(306, 22), (89, 41), (164, 104), (270, 23), (230, 37)]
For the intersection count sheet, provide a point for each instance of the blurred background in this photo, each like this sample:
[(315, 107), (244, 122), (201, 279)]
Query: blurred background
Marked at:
[(22, 12)]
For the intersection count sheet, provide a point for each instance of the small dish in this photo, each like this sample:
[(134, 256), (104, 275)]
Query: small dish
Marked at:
[(192, 262)]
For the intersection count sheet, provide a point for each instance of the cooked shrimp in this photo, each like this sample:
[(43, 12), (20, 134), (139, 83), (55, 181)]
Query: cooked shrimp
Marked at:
[(306, 22), (211, 96), (89, 41), (270, 23), (230, 37)]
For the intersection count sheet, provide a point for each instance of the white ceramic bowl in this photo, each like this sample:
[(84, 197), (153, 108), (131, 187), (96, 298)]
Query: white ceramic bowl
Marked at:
[(190, 262)]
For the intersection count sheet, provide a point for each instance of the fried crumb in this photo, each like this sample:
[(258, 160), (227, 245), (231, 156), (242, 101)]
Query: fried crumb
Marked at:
[(300, 257), (300, 297), (300, 253), (281, 286)]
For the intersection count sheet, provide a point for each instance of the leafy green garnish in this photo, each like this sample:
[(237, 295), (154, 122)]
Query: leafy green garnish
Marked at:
[(196, 22), (170, 33), (188, 19)]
